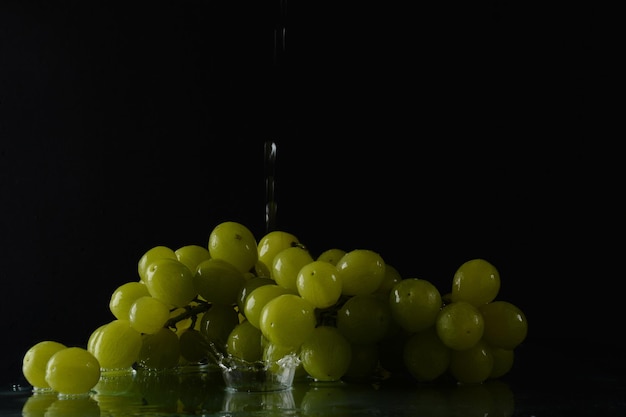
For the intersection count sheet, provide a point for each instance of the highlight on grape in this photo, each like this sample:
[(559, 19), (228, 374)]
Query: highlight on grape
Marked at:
[(345, 314)]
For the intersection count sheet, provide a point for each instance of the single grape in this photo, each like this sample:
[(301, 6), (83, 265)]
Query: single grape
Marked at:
[(72, 371), (193, 346), (425, 356), (286, 265), (234, 243), (192, 255), (245, 342), (35, 360), (170, 281), (269, 246), (361, 271), (248, 287), (415, 304), (502, 361), (363, 362), (159, 351), (148, 314), (331, 256), (151, 255), (460, 325), (273, 353), (326, 354), (364, 319), (115, 345), (476, 281), (287, 320), (258, 298), (391, 278), (218, 281), (472, 365), (318, 283), (124, 296), (505, 324), (217, 323)]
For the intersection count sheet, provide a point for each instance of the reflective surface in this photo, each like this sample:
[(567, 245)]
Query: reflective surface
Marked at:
[(544, 382)]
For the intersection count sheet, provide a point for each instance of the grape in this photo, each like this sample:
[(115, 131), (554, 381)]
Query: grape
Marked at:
[(148, 314), (505, 324), (272, 353), (502, 361), (326, 354), (35, 360), (472, 365), (193, 346), (476, 282), (72, 371), (245, 342), (363, 361), (425, 356), (217, 323), (331, 255), (364, 319), (160, 350), (415, 304), (170, 281), (124, 296), (391, 278), (460, 325), (248, 287), (318, 283), (151, 255), (218, 281), (286, 265), (361, 271), (269, 246), (234, 243), (287, 320), (258, 298), (192, 255), (115, 345)]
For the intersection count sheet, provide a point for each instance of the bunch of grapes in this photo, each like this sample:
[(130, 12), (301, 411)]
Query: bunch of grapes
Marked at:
[(346, 315)]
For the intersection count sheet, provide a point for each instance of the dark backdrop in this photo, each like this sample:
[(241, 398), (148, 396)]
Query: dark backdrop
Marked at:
[(431, 134)]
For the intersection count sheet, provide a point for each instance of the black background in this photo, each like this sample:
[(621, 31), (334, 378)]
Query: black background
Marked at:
[(432, 134)]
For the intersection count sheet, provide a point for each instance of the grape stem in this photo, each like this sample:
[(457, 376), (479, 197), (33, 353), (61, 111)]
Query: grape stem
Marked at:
[(191, 311)]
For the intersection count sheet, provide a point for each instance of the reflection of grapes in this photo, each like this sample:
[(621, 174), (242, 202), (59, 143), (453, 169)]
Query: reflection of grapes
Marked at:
[(347, 314)]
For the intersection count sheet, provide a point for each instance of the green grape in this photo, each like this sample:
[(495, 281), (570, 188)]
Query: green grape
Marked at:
[(391, 278), (476, 282), (502, 361), (460, 325), (326, 354), (425, 356), (72, 371), (35, 360), (272, 353), (148, 314), (115, 344), (170, 281), (74, 406), (472, 365), (159, 351), (192, 255), (318, 283), (505, 324), (287, 320), (258, 298), (248, 287), (286, 265), (364, 319), (234, 243), (269, 246), (217, 323), (361, 271), (363, 361), (124, 296), (218, 281), (331, 256), (415, 304), (193, 346), (245, 342), (151, 255)]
